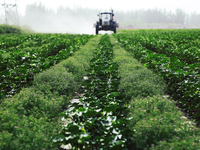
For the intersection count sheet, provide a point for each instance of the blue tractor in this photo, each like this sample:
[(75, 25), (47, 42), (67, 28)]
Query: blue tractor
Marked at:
[(106, 22)]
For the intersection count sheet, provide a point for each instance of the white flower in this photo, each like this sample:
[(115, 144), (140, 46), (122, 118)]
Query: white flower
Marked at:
[(85, 78), (23, 58), (183, 117)]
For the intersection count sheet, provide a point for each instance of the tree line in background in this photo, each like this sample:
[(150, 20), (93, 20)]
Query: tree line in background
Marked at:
[(156, 17), (41, 19)]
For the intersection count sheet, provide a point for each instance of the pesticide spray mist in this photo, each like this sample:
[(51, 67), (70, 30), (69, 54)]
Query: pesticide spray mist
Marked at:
[(64, 20)]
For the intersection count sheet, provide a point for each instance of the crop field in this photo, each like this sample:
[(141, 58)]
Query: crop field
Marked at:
[(175, 56), (25, 55), (137, 90)]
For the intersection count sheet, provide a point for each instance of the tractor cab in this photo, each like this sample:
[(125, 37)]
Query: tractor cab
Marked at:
[(105, 18)]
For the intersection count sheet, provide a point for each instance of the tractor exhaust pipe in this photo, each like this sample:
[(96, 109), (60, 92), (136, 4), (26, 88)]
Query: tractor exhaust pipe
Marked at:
[(112, 11)]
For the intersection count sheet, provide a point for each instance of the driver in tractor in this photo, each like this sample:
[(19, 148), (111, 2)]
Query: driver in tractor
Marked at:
[(106, 17)]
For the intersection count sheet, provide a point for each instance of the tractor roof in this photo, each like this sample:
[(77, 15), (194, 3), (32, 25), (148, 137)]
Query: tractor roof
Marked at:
[(106, 13)]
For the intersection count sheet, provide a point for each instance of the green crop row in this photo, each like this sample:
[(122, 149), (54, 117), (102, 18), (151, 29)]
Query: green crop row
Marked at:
[(181, 78), (36, 60), (183, 44), (98, 121), (47, 46), (10, 29), (19, 40), (11, 44), (156, 121), (30, 119), (7, 40)]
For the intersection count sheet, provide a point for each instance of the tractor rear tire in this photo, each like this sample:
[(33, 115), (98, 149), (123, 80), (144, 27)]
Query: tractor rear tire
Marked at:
[(114, 30), (97, 31)]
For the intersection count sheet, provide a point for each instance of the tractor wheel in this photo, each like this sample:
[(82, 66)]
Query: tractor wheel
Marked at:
[(114, 30), (97, 30)]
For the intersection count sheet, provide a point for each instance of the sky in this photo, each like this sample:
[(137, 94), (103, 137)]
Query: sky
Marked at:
[(188, 6)]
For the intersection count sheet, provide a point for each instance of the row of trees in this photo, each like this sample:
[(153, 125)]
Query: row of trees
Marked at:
[(158, 16), (82, 19)]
